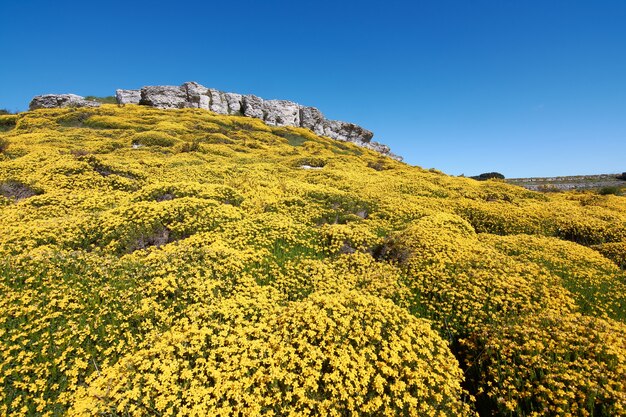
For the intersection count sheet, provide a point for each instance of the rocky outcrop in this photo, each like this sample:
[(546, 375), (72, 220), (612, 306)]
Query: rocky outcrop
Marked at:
[(272, 112), (164, 97), (281, 113), (252, 106), (50, 101), (128, 96), (313, 119)]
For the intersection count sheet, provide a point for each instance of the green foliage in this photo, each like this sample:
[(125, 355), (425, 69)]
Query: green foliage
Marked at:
[(610, 190), (292, 138), (488, 175), (103, 100), (7, 121), (153, 138)]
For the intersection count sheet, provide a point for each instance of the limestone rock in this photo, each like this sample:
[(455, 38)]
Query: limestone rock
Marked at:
[(384, 149), (49, 101), (218, 101), (128, 96), (281, 113), (252, 106), (164, 97), (312, 119), (234, 103), (348, 132), (196, 95)]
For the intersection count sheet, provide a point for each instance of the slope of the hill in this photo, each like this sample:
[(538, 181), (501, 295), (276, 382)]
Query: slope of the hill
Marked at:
[(178, 262)]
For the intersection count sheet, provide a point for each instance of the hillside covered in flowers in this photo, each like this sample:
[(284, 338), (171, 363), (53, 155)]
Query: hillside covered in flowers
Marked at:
[(178, 262)]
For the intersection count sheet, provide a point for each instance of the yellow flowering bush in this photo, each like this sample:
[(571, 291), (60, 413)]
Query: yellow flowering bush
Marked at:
[(153, 138), (179, 262), (547, 364), (336, 354), (348, 238), (596, 284), (615, 251), (464, 285)]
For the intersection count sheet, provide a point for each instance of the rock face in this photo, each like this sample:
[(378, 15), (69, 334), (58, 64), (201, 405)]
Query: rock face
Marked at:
[(313, 119), (164, 97), (252, 106), (128, 96), (272, 112), (281, 113), (49, 101)]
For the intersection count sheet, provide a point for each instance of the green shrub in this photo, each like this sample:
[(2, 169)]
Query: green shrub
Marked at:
[(7, 121), (103, 100), (614, 190), (153, 138)]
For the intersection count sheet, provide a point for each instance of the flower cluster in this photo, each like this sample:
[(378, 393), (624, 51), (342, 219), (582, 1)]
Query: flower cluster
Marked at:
[(558, 365)]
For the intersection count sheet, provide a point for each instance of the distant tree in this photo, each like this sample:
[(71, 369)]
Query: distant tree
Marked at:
[(622, 176), (4, 111), (488, 175)]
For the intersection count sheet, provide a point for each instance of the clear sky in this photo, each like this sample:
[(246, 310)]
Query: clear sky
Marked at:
[(525, 88)]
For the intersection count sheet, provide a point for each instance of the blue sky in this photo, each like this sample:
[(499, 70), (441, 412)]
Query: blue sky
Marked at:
[(525, 88)]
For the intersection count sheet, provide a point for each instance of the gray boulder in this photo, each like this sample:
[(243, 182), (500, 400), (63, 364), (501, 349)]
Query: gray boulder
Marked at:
[(165, 97), (281, 113), (128, 96), (50, 101)]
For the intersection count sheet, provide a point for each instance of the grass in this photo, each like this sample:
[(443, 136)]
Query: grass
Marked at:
[(294, 139)]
